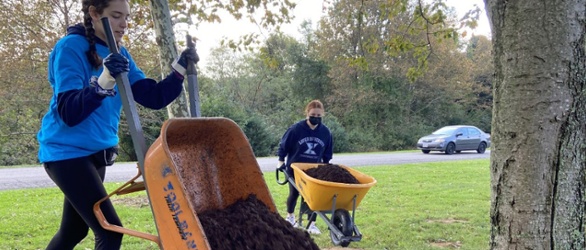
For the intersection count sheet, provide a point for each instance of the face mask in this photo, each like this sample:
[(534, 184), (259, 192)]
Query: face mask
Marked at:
[(314, 120)]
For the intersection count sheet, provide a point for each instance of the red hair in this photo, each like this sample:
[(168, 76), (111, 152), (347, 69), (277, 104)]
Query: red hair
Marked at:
[(314, 104)]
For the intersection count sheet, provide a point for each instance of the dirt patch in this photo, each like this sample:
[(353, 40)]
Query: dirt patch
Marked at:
[(332, 173), (446, 244), (138, 201), (447, 221), (249, 224)]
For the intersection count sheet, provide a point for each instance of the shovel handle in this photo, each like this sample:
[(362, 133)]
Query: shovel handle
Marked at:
[(190, 65), (192, 85), (129, 106), (112, 45)]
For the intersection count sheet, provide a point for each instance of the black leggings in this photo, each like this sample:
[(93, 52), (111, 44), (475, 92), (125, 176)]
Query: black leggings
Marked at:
[(80, 180), (293, 192), (292, 199)]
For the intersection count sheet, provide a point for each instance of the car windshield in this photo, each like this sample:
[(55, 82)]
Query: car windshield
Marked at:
[(444, 131)]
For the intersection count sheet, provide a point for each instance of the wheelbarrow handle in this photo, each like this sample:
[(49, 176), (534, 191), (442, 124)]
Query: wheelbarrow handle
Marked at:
[(115, 228), (281, 169)]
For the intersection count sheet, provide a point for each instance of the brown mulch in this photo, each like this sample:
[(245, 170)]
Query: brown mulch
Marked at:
[(332, 173), (249, 224)]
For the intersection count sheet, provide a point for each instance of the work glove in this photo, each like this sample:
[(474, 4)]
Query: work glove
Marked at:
[(187, 56), (114, 64), (281, 166)]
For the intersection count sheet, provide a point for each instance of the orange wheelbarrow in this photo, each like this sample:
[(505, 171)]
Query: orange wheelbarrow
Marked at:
[(320, 198), (195, 165)]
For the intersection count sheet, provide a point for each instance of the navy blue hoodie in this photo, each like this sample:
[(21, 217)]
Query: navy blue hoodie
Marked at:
[(302, 144)]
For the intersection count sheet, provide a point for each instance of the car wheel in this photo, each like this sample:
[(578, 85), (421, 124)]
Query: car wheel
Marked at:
[(425, 151), (450, 148), (481, 148)]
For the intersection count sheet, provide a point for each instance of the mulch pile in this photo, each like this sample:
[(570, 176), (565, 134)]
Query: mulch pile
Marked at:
[(332, 173), (249, 224)]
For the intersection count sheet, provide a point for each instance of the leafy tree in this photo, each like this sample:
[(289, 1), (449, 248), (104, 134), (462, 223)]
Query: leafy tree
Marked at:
[(273, 14), (25, 41), (341, 141), (261, 141), (374, 50), (481, 71)]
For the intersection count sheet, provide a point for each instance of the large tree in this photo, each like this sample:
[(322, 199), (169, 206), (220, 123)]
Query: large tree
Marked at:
[(539, 116)]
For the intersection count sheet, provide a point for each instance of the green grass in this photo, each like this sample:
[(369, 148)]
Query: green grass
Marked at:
[(412, 206)]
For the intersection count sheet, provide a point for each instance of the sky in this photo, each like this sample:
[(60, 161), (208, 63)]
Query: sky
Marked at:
[(210, 35)]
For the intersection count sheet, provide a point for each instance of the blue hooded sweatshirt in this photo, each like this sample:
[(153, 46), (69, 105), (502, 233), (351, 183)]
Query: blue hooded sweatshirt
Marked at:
[(80, 122)]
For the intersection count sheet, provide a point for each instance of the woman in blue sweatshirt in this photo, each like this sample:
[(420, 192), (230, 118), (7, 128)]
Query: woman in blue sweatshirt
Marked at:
[(307, 141), (79, 133)]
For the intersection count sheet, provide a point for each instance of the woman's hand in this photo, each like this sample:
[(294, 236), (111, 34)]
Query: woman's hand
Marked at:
[(114, 64), (189, 55)]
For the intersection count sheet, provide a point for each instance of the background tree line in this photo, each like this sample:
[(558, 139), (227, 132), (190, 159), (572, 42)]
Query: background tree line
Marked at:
[(365, 63)]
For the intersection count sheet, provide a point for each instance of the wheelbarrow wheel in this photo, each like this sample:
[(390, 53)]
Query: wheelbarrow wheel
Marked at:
[(342, 221)]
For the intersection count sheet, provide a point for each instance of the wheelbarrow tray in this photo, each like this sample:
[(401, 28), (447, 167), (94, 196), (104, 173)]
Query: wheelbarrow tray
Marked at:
[(319, 194), (195, 165)]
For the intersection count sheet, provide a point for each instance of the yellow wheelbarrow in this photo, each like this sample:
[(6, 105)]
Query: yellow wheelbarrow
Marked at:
[(195, 165), (320, 198)]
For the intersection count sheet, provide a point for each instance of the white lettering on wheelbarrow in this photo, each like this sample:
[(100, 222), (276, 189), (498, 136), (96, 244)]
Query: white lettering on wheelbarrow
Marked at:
[(174, 207)]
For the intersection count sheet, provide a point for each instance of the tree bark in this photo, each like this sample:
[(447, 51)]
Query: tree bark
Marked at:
[(168, 51), (538, 128)]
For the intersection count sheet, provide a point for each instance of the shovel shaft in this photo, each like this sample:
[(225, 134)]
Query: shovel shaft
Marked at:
[(127, 102), (192, 86)]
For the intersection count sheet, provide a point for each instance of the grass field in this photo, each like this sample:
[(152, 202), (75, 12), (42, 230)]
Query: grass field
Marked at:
[(413, 206)]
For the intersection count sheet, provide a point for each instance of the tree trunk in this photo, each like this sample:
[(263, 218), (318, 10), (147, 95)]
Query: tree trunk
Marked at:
[(539, 116), (166, 41)]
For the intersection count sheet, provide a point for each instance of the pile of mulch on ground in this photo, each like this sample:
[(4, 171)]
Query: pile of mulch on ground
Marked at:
[(249, 224), (332, 173)]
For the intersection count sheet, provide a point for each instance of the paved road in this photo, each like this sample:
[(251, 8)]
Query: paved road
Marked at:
[(34, 177)]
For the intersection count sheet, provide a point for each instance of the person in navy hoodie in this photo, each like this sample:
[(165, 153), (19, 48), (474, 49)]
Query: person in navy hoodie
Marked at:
[(307, 141), (79, 133)]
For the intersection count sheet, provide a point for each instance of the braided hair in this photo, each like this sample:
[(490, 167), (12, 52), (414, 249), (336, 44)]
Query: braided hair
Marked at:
[(100, 5)]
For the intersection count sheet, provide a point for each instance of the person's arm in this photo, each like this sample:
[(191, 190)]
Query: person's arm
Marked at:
[(74, 101), (75, 105), (283, 147), (329, 151), (147, 92), (153, 95)]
